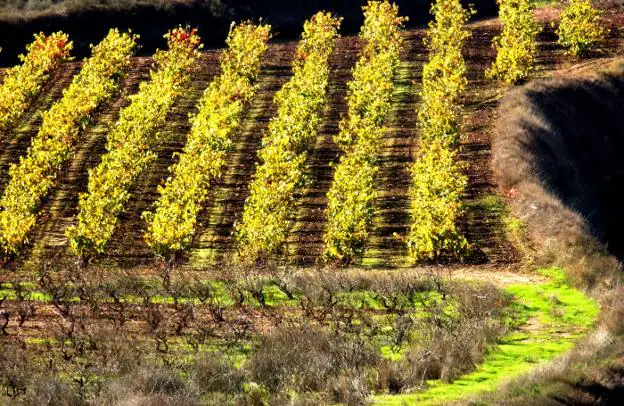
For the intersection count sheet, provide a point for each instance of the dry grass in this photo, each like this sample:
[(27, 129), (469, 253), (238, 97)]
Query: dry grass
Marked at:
[(558, 156)]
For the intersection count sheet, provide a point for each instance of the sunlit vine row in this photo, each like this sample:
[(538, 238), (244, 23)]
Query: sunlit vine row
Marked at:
[(444, 74), (351, 195), (300, 102), (35, 174), (580, 27), (173, 222), (516, 46), (130, 143), (437, 179), (21, 83)]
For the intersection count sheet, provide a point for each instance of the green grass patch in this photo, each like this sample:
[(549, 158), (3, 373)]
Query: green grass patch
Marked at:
[(273, 297), (548, 319)]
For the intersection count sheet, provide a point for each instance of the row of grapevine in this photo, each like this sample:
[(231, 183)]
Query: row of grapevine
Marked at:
[(130, 143), (35, 174), (173, 222), (21, 83), (580, 27), (578, 30), (351, 195), (437, 179), (516, 46), (300, 102)]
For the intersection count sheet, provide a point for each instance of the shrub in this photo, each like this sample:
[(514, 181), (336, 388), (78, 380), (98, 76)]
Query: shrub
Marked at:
[(21, 83), (35, 174), (149, 386), (580, 27), (130, 143), (213, 373), (444, 75), (288, 358), (437, 185), (453, 345), (516, 46), (351, 389), (437, 181), (300, 102), (51, 391), (172, 224), (304, 358), (16, 368), (351, 194)]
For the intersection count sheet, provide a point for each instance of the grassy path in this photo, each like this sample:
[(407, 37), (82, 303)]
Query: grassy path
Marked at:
[(551, 317)]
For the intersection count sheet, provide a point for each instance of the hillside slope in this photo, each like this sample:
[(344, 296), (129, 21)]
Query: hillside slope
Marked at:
[(168, 311), (214, 243)]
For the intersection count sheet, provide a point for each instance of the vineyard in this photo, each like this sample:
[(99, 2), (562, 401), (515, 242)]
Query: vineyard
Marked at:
[(285, 221)]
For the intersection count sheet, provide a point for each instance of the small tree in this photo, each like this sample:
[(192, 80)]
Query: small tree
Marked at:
[(437, 180), (444, 75), (516, 47), (580, 27), (437, 186)]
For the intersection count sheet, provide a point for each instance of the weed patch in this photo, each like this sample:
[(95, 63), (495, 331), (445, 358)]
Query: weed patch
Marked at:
[(548, 319)]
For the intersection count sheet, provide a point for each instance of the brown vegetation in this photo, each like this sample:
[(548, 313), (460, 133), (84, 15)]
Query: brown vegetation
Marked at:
[(107, 339), (558, 157)]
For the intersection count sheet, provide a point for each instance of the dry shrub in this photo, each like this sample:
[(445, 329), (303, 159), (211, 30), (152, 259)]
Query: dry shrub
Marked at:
[(350, 389), (51, 392), (449, 353), (452, 346), (291, 357), (213, 373), (149, 386), (390, 377), (299, 399), (305, 357), (15, 369), (612, 314), (558, 154)]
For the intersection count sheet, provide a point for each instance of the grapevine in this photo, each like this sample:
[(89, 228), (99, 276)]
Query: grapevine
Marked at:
[(351, 195), (265, 221), (435, 194), (516, 46), (35, 174), (172, 224), (579, 28), (23, 82), (437, 181), (130, 143)]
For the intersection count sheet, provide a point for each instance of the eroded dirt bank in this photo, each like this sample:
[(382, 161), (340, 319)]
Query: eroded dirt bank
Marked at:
[(559, 152)]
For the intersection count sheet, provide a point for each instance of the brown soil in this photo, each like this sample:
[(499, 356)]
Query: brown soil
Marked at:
[(214, 244)]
